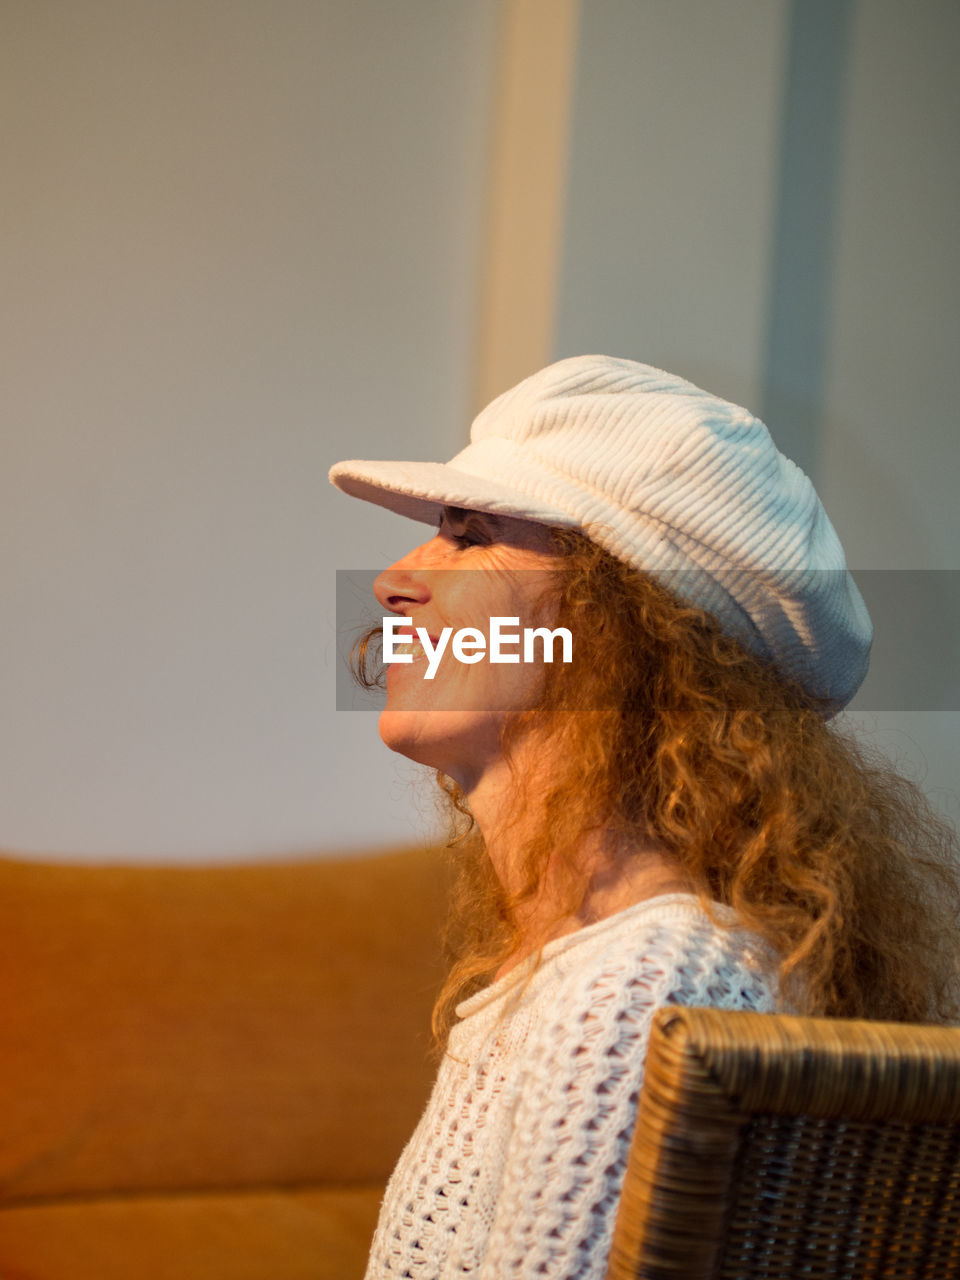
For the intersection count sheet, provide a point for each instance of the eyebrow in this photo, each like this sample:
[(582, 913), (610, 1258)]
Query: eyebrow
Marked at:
[(460, 515)]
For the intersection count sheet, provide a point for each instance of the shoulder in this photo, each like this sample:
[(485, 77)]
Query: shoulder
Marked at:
[(579, 1048), (665, 951)]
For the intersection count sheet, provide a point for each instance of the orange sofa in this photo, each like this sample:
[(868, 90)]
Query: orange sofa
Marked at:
[(207, 1073)]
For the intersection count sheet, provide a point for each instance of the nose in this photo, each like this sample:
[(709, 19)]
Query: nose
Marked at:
[(406, 582)]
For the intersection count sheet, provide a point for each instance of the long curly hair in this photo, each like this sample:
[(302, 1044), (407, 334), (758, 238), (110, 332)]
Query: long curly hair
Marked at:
[(669, 731)]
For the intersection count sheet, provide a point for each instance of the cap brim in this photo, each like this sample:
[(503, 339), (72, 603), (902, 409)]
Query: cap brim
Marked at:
[(420, 491)]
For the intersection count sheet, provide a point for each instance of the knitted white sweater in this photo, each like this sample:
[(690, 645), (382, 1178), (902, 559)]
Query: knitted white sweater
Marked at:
[(516, 1166)]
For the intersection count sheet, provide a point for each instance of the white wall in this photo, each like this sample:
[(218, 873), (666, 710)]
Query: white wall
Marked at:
[(239, 243), (672, 187), (891, 432), (763, 199), (243, 238)]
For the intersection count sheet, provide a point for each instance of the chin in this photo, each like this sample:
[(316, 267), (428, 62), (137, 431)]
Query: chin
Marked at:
[(424, 736), (454, 741)]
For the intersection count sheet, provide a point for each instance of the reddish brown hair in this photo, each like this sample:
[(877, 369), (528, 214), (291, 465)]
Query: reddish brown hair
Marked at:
[(832, 857)]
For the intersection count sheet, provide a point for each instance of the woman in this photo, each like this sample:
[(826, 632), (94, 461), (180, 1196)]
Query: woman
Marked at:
[(667, 818)]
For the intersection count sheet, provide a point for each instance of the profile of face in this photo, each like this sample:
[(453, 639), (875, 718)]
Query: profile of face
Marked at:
[(477, 566)]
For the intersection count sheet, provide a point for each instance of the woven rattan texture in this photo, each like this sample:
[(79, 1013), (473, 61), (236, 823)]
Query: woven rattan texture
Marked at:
[(769, 1147), (823, 1198)]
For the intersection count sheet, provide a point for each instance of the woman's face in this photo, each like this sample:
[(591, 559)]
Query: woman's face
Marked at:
[(476, 567)]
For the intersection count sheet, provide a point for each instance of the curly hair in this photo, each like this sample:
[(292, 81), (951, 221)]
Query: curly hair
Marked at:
[(665, 729)]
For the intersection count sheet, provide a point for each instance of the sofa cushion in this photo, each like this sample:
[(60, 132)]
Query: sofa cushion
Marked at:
[(312, 1234), (211, 1027)]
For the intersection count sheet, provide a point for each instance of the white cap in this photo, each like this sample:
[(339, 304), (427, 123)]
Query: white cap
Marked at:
[(670, 479)]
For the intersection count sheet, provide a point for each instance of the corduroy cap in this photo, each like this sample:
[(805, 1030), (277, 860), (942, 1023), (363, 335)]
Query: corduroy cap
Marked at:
[(673, 481)]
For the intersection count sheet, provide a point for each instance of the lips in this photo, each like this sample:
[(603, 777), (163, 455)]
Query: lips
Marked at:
[(410, 648), (411, 637), (409, 644)]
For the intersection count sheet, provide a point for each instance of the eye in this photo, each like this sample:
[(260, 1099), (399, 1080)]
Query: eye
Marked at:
[(466, 539), (472, 532)]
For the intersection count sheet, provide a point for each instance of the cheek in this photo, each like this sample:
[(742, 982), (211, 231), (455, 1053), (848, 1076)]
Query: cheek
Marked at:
[(524, 591), (481, 595), (519, 587), (535, 599)]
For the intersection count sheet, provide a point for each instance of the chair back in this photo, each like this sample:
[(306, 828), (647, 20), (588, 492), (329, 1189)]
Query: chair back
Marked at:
[(770, 1146)]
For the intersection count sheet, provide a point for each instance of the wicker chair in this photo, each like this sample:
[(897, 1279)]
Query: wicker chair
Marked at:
[(774, 1147)]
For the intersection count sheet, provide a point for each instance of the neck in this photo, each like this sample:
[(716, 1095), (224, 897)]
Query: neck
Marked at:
[(610, 871)]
